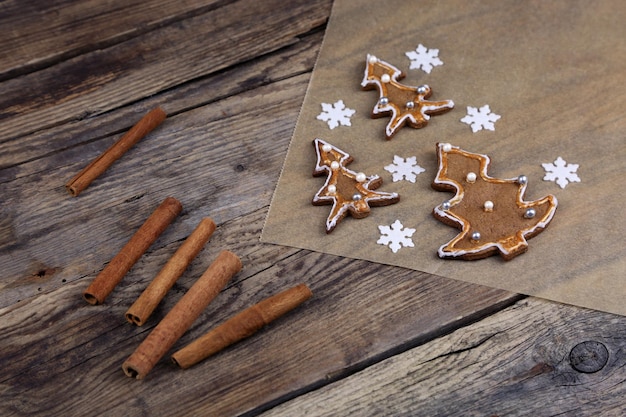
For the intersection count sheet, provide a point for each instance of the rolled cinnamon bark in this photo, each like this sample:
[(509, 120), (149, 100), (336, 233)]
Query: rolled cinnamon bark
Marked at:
[(182, 315), (92, 171), (241, 326), (143, 307), (149, 231)]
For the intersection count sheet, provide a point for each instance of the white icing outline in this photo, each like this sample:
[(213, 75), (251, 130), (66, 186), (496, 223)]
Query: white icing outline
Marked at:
[(331, 222), (389, 129), (465, 227)]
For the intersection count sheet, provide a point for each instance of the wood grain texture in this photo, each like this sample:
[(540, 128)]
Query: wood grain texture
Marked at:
[(16, 152), (54, 30), (514, 363), (100, 80), (231, 76), (69, 347), (114, 205)]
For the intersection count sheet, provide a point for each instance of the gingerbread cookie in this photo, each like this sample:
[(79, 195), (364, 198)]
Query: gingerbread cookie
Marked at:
[(405, 104), (489, 211), (347, 191)]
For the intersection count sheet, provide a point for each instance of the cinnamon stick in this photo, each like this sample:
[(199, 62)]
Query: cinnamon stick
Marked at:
[(92, 171), (242, 325), (143, 307), (149, 231), (182, 315)]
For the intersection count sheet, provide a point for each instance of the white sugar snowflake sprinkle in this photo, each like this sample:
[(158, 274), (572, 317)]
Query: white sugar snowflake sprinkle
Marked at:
[(336, 114), (481, 118), (396, 236), (561, 172), (424, 58), (404, 169)]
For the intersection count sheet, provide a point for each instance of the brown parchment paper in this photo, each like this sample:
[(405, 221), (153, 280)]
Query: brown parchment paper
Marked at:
[(555, 72)]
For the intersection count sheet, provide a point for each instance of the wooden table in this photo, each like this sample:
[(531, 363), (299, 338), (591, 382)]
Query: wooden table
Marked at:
[(231, 75)]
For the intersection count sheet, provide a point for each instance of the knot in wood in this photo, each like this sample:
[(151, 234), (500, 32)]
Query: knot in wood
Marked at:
[(589, 357)]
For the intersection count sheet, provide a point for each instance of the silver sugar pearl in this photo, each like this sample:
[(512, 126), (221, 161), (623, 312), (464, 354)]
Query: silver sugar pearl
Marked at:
[(522, 179), (530, 213), (410, 105), (423, 89), (445, 205), (357, 197), (383, 101), (476, 236)]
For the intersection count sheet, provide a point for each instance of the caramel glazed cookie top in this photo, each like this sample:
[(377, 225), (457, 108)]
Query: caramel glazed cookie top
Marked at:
[(348, 191), (405, 104), (489, 211)]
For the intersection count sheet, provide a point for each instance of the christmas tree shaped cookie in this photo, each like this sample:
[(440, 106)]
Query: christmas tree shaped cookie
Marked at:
[(491, 212), (405, 104), (347, 191)]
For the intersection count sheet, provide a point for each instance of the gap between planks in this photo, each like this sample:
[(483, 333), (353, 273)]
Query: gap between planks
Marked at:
[(515, 362)]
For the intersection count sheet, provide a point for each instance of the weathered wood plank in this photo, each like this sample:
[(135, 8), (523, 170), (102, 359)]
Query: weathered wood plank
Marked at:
[(220, 152), (101, 80), (516, 362), (24, 321), (37, 33), (206, 91), (210, 158), (60, 346)]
